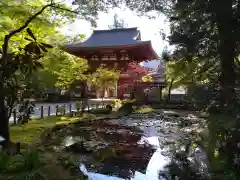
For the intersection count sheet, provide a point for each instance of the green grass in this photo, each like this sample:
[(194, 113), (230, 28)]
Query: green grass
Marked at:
[(29, 135), (144, 109), (30, 132)]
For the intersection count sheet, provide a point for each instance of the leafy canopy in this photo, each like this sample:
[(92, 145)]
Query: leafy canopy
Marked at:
[(26, 30)]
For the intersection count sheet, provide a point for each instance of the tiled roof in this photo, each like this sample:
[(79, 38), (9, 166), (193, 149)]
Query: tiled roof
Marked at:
[(113, 37)]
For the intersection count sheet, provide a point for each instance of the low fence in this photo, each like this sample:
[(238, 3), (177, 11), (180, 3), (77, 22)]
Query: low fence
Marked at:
[(46, 110)]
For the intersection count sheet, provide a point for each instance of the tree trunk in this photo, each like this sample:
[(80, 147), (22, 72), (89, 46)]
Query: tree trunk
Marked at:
[(169, 90), (4, 123), (227, 48), (227, 79)]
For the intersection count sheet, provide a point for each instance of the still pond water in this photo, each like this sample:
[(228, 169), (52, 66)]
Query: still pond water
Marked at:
[(139, 146)]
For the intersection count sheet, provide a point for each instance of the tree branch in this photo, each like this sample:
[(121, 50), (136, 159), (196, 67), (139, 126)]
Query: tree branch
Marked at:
[(25, 25), (12, 33), (64, 9)]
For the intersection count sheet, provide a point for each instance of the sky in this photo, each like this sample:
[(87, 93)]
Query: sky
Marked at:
[(150, 28)]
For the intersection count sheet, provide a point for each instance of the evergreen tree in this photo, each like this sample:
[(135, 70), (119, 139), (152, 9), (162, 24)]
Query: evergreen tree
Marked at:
[(117, 23)]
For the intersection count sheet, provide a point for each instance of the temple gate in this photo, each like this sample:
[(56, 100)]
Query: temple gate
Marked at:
[(113, 48)]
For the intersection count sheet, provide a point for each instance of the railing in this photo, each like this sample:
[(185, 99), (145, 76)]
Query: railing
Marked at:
[(46, 110)]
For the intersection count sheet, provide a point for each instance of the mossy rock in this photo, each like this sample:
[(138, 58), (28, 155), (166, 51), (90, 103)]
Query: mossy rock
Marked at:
[(126, 109)]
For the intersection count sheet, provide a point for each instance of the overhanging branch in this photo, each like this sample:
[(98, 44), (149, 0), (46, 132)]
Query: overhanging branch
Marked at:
[(25, 25), (12, 33)]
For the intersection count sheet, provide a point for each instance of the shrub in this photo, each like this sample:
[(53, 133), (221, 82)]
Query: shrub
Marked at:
[(26, 109), (27, 166), (4, 161), (61, 109), (126, 108), (68, 163), (125, 101), (144, 109), (88, 116), (116, 103), (78, 105), (109, 107), (204, 97)]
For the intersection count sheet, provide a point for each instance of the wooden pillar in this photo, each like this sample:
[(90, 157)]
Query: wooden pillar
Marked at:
[(88, 87), (106, 93), (115, 90)]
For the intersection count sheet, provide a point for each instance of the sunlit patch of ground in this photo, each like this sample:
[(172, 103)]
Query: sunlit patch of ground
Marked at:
[(30, 132)]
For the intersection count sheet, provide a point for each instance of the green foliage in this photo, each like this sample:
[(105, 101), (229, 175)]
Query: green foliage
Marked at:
[(204, 97), (68, 163), (18, 67), (23, 27), (222, 146), (104, 78), (89, 116), (72, 71), (76, 39), (26, 109), (15, 14), (61, 109), (125, 101), (117, 23), (204, 40), (185, 74), (126, 108), (93, 7), (143, 109), (60, 68), (78, 105), (21, 167), (4, 161), (31, 160), (117, 103), (45, 27), (147, 78)]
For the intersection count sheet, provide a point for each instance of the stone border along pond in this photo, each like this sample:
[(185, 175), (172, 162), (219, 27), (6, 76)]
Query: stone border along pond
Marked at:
[(141, 144)]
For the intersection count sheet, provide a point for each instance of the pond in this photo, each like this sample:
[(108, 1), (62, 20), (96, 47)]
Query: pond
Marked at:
[(141, 145)]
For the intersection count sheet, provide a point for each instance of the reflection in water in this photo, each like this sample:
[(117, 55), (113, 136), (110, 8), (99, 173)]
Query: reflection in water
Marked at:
[(96, 176), (115, 151), (70, 140), (156, 164)]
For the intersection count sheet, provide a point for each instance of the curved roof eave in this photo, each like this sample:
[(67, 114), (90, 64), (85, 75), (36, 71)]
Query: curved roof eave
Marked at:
[(77, 47), (81, 50)]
